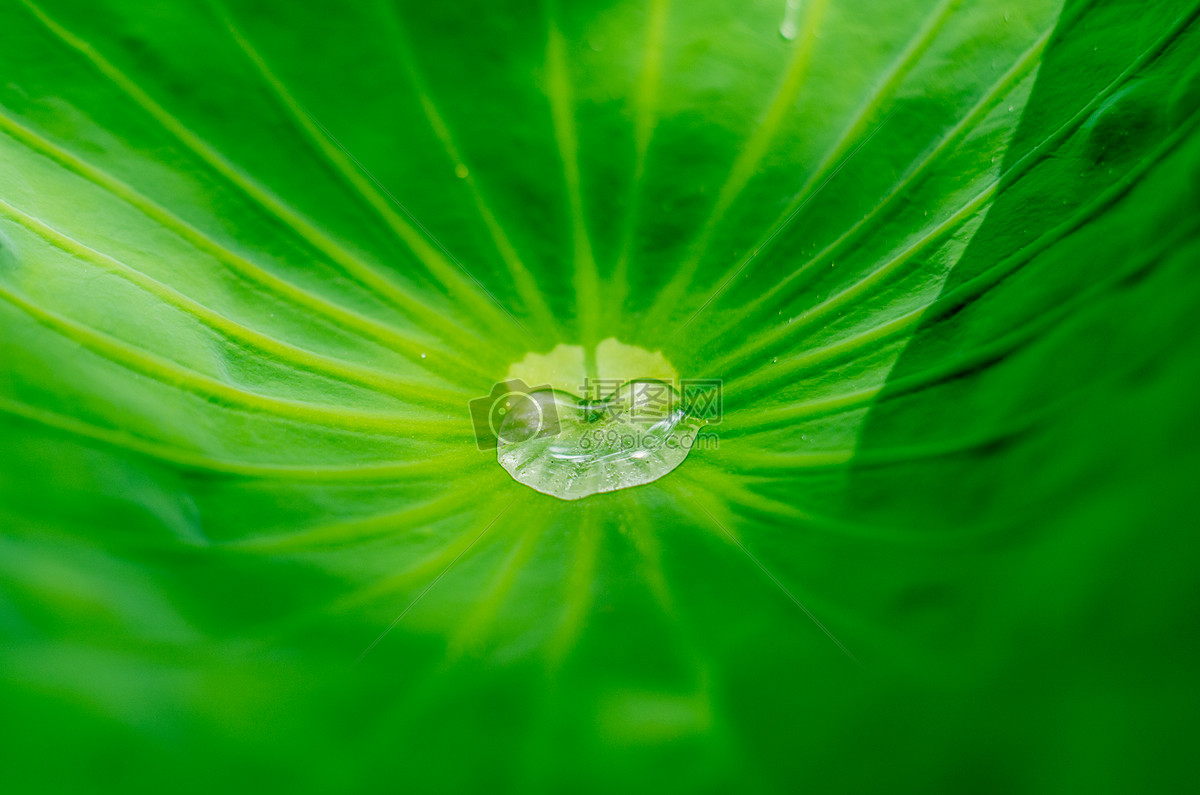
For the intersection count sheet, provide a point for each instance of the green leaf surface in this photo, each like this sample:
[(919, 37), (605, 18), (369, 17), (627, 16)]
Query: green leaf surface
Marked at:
[(257, 258)]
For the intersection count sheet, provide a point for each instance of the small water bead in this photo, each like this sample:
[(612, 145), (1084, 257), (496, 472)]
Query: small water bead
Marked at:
[(461, 171), (1127, 122), (790, 27)]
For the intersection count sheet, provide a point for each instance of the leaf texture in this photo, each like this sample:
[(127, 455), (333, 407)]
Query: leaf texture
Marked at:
[(257, 258)]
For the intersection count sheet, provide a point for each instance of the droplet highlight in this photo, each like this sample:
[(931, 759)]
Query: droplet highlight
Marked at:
[(572, 443), (790, 27)]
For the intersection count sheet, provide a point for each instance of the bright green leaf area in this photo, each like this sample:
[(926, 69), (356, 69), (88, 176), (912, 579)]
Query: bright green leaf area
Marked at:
[(256, 258)]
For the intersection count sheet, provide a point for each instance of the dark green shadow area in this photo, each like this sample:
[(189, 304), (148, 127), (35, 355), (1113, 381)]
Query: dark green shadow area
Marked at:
[(1047, 406)]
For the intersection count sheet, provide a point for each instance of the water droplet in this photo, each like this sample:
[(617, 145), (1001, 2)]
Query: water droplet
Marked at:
[(1126, 122), (559, 444), (422, 356), (790, 27), (461, 171), (775, 360)]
